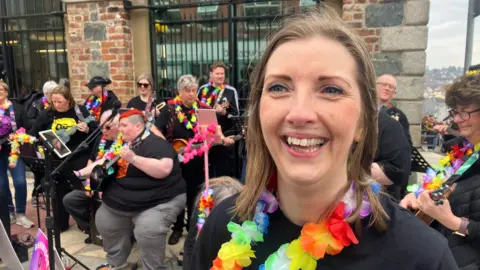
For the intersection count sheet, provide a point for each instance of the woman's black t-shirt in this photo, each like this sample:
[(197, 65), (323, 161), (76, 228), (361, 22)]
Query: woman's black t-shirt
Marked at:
[(56, 120), (407, 244)]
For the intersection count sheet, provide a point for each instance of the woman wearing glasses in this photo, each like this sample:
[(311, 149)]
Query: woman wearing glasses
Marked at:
[(458, 218), (146, 102)]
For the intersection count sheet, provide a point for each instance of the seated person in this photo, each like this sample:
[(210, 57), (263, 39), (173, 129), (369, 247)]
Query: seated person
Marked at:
[(222, 187), (145, 198), (77, 202)]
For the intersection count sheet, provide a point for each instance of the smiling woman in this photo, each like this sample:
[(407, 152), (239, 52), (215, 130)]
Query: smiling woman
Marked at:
[(311, 140)]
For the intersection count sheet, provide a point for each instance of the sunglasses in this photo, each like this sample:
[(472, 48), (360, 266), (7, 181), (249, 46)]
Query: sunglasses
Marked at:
[(144, 85)]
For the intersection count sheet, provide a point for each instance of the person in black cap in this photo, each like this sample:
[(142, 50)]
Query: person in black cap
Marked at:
[(100, 99)]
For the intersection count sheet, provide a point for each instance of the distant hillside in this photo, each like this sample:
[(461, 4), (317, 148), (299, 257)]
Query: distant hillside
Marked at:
[(438, 77)]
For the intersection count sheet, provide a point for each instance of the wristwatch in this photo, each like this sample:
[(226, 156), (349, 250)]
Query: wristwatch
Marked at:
[(463, 230)]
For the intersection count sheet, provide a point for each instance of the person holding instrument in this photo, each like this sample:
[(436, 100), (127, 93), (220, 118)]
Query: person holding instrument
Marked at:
[(308, 202), (74, 121), (178, 122), (144, 199), (458, 218), (78, 202), (146, 101), (223, 98)]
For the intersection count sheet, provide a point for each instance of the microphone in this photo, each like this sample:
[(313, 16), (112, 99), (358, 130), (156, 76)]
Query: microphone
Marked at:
[(116, 106)]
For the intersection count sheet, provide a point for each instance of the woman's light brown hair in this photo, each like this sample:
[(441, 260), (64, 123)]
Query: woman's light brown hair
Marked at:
[(463, 92), (66, 93), (260, 166)]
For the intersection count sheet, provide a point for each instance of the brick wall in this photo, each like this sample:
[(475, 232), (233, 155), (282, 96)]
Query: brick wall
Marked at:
[(396, 34), (99, 43)]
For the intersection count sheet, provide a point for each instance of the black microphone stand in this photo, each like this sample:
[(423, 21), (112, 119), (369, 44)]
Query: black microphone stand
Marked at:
[(50, 193)]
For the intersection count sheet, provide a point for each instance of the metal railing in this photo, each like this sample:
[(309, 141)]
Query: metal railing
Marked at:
[(32, 37)]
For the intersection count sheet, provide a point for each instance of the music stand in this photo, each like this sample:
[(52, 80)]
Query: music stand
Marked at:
[(61, 172), (419, 164)]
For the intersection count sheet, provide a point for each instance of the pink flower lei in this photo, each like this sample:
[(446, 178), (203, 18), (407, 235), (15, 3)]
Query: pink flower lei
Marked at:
[(207, 136)]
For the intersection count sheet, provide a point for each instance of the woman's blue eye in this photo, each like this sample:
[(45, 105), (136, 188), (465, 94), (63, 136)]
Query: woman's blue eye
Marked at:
[(276, 88), (332, 90)]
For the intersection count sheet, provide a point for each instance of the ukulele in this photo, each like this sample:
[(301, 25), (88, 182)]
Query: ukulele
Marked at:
[(439, 195), (66, 134), (429, 126), (180, 144)]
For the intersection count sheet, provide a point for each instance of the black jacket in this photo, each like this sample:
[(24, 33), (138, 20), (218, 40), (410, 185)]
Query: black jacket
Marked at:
[(32, 104), (465, 202), (394, 154)]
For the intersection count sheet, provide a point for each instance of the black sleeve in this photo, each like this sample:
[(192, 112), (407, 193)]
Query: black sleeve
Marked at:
[(406, 126), (446, 261), (20, 115), (189, 245), (394, 152), (213, 234), (40, 123), (233, 99), (161, 150), (130, 103), (161, 122), (94, 152), (92, 124)]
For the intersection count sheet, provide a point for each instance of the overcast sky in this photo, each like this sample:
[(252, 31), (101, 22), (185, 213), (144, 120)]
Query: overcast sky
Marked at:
[(447, 34)]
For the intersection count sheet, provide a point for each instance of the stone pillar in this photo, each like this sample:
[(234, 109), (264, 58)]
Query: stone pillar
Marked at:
[(99, 43), (396, 33)]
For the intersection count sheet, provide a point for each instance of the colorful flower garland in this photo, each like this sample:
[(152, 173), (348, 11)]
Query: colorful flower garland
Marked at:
[(189, 124), (94, 104), (113, 151), (205, 206), (46, 105), (447, 166), (199, 137), (213, 95), (328, 237), (16, 139)]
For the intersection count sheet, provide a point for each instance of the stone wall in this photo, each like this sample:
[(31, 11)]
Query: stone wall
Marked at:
[(99, 43), (396, 33)]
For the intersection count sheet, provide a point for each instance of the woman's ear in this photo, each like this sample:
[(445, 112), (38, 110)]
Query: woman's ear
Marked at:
[(358, 134)]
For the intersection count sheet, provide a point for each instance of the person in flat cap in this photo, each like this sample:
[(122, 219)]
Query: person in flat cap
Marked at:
[(100, 99)]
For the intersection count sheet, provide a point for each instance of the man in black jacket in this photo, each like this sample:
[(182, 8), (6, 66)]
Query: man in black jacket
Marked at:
[(392, 161)]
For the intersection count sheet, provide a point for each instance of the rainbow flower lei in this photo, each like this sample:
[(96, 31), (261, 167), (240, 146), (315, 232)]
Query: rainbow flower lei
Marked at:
[(328, 237), (113, 151), (46, 105), (93, 104), (205, 205), (16, 139), (177, 101), (447, 166), (213, 95)]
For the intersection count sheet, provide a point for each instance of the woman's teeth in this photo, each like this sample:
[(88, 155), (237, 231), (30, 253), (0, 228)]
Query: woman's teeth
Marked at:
[(305, 142)]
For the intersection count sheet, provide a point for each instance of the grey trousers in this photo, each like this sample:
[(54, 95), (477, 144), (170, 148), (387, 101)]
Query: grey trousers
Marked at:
[(149, 227), (78, 204)]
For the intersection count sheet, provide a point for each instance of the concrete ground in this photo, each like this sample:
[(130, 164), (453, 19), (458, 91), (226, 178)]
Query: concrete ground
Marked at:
[(93, 255)]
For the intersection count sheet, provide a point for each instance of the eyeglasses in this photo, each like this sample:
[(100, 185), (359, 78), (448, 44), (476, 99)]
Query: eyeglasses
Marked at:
[(464, 115), (387, 85), (144, 85)]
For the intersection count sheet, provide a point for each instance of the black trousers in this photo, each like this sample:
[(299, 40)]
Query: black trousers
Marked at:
[(194, 176)]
